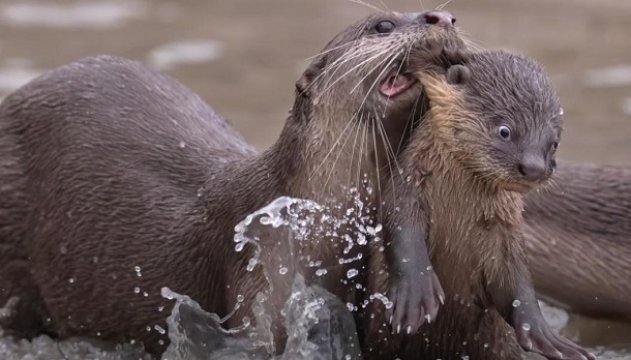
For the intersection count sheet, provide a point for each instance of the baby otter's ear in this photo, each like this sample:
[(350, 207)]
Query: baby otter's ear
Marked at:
[(458, 74), (305, 82)]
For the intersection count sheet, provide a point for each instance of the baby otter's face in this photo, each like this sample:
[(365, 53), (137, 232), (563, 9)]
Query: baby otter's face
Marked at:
[(510, 119)]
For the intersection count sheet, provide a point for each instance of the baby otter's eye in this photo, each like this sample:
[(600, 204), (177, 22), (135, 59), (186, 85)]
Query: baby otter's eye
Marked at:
[(555, 146), (504, 131), (385, 26)]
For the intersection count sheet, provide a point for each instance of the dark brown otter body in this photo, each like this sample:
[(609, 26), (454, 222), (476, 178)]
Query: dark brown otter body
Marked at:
[(115, 171), (489, 136), (578, 239)]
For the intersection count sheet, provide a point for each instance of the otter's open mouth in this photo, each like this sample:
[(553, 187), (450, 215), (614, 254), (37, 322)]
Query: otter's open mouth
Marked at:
[(396, 84)]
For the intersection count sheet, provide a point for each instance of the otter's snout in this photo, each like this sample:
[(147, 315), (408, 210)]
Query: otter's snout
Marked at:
[(441, 18), (532, 167)]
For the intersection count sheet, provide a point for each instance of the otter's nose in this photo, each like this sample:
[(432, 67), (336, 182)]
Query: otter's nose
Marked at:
[(442, 18), (532, 168)]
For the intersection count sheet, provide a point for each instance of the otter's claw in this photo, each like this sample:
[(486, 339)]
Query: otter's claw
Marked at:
[(415, 300), (540, 339)]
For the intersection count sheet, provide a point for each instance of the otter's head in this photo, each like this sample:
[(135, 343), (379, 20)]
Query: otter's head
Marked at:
[(362, 87), (505, 119)]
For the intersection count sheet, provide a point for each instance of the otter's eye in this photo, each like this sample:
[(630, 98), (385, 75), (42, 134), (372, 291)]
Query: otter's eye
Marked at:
[(504, 131), (384, 27), (555, 146)]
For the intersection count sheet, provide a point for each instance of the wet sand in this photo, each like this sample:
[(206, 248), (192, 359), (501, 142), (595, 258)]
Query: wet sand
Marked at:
[(243, 56)]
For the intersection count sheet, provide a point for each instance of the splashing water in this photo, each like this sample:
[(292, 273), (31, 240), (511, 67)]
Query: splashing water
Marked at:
[(319, 325)]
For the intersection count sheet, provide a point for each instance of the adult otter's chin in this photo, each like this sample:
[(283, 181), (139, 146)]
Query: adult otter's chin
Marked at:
[(109, 167)]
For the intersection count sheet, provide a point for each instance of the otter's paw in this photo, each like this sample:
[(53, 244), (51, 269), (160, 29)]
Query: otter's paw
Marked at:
[(541, 340), (414, 301)]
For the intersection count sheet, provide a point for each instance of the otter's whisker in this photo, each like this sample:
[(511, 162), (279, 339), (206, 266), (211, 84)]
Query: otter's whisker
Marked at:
[(328, 87), (390, 155), (368, 5), (376, 80), (330, 50), (361, 153), (368, 73), (348, 55), (376, 150), (442, 6), (349, 123), (339, 153), (357, 128), (398, 72)]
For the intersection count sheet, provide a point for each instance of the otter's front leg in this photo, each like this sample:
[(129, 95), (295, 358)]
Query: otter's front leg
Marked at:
[(415, 290), (514, 297)]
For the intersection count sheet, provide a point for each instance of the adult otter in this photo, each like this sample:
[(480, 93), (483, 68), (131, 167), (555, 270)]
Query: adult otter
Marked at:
[(117, 171), (490, 134)]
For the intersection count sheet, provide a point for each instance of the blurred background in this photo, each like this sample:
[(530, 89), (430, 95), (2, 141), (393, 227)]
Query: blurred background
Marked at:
[(243, 56)]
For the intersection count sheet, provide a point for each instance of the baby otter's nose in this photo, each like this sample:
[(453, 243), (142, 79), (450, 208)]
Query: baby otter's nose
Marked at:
[(532, 168), (442, 18)]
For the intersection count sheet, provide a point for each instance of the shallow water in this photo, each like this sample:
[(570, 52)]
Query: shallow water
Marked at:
[(243, 56)]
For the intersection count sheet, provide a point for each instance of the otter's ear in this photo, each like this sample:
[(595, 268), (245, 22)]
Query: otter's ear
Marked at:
[(303, 84), (458, 74)]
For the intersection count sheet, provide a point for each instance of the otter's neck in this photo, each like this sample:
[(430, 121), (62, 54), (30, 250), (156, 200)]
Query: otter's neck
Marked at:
[(330, 154)]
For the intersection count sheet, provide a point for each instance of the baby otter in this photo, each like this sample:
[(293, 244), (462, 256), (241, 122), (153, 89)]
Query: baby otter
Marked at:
[(490, 135)]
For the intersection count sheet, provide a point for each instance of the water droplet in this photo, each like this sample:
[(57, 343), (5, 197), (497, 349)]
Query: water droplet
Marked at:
[(160, 308), (525, 326), (182, 144), (148, 328), (137, 290), (145, 294), (240, 298), (351, 273), (161, 342), (516, 303), (350, 306), (71, 280), (138, 269), (159, 329), (251, 264), (283, 270), (63, 249), (95, 259), (321, 272)]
